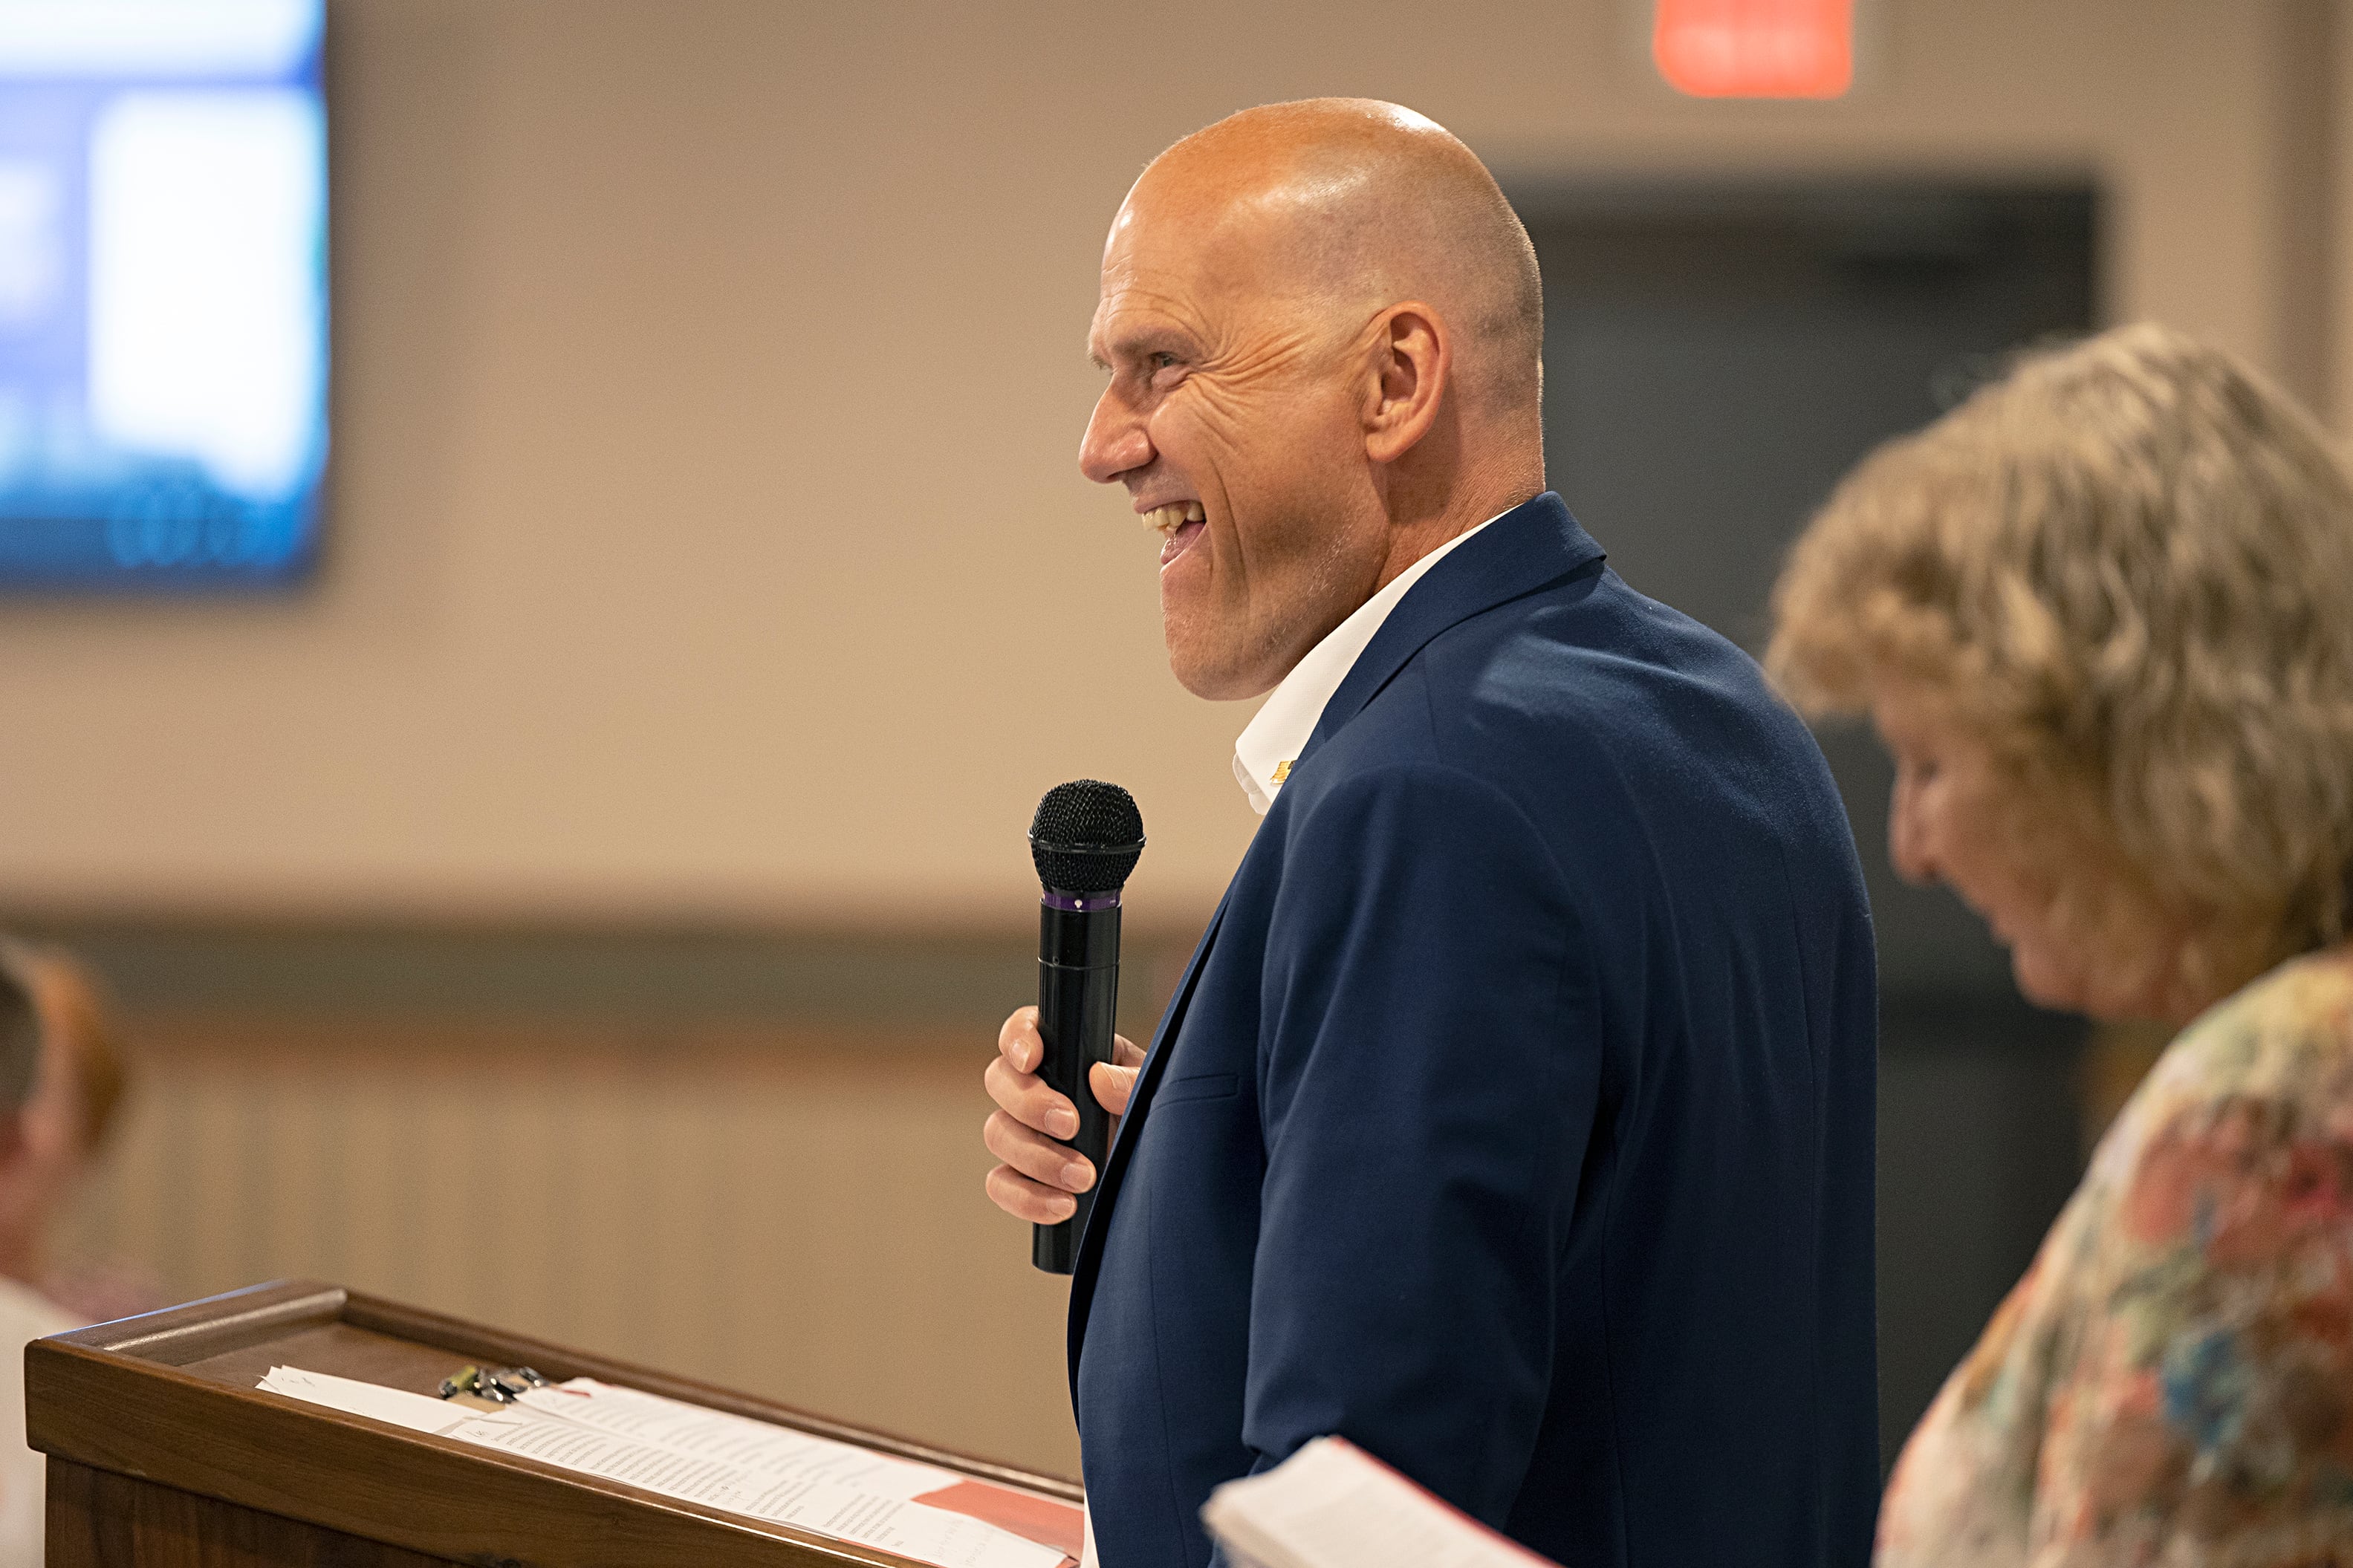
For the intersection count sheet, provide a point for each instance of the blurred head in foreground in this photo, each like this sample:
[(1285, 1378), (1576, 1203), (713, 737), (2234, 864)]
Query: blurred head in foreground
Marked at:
[(2102, 614), (61, 1074), (20, 1051)]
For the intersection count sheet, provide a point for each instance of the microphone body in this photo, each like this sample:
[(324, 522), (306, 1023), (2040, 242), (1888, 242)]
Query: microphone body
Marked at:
[(1078, 998), (1084, 841)]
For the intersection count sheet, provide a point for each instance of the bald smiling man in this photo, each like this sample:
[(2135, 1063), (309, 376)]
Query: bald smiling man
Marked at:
[(1514, 1118)]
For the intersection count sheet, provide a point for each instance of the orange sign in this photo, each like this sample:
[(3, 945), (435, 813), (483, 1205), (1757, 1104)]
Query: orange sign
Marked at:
[(1755, 48)]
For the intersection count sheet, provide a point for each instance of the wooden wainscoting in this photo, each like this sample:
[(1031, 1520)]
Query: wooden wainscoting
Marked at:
[(794, 1211)]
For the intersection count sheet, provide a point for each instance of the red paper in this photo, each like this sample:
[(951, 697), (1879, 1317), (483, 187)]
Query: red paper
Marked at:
[(1025, 1514)]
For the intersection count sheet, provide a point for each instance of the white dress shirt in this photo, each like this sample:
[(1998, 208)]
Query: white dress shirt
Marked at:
[(1265, 751)]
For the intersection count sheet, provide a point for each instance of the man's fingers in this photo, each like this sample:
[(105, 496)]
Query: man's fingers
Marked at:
[(1013, 1082), (1019, 1043), (1026, 1098), (1037, 1157), (1022, 1198), (1113, 1085)]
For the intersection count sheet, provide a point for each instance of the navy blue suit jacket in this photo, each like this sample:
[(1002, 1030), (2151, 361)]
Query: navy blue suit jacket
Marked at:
[(1514, 1117)]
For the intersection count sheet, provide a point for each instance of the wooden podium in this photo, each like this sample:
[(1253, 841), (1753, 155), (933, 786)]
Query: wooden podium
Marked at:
[(163, 1453)]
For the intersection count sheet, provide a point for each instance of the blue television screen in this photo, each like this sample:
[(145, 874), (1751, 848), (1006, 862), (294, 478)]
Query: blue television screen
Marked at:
[(163, 291)]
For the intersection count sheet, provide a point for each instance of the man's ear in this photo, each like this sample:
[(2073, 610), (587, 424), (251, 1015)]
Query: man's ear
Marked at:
[(1412, 363)]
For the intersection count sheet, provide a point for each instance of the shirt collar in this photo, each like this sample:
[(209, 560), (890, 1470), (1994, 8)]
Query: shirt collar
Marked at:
[(1272, 740)]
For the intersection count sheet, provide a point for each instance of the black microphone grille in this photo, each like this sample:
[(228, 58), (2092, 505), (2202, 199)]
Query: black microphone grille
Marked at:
[(1086, 837)]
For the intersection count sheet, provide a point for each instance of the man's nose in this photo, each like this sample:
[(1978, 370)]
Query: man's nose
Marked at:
[(1116, 441), (1907, 837)]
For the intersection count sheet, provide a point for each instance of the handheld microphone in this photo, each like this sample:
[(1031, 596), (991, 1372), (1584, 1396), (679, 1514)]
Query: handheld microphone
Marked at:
[(1085, 840)]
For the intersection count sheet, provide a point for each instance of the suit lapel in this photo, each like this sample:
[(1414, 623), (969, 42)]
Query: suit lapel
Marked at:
[(1156, 1063), (1533, 545)]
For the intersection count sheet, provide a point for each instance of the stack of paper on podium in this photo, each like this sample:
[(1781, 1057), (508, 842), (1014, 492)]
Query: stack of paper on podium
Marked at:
[(705, 1456)]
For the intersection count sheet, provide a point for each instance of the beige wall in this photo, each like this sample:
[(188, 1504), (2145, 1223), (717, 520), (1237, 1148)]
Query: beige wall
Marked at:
[(707, 539)]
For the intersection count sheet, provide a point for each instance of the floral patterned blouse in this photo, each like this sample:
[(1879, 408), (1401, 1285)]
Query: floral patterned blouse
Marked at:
[(2172, 1381)]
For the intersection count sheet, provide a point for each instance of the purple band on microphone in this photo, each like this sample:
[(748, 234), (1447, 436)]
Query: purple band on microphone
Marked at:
[(1080, 903)]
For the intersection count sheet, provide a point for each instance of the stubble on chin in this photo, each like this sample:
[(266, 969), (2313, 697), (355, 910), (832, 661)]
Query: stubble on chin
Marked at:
[(1234, 652), (1217, 665)]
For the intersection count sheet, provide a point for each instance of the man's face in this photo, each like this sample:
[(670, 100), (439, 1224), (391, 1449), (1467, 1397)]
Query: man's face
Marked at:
[(1233, 420)]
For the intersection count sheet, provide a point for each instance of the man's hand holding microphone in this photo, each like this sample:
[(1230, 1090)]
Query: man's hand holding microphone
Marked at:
[(1040, 1173)]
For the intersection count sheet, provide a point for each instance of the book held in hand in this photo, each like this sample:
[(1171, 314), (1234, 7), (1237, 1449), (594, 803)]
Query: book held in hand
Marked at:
[(1332, 1505)]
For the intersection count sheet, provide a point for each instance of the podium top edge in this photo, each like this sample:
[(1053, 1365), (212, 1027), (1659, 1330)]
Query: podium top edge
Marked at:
[(194, 1329)]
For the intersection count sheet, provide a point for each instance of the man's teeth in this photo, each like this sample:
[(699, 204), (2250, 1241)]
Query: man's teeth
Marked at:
[(1175, 515)]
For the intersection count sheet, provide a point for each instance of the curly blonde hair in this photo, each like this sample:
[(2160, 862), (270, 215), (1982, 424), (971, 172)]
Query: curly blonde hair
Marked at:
[(2128, 563)]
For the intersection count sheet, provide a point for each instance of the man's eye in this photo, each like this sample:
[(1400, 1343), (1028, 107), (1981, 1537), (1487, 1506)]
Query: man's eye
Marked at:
[(1160, 361)]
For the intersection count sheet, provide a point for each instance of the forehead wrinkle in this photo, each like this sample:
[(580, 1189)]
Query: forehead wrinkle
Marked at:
[(1147, 306), (1117, 332)]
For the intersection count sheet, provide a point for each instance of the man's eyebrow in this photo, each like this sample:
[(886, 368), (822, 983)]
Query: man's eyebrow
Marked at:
[(1142, 342)]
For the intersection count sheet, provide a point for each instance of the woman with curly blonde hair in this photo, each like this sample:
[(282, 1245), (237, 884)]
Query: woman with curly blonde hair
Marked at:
[(2102, 613)]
